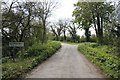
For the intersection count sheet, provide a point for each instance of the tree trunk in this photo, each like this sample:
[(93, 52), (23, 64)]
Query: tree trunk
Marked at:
[(94, 21), (100, 30), (64, 35), (118, 31), (44, 39), (87, 34), (57, 37)]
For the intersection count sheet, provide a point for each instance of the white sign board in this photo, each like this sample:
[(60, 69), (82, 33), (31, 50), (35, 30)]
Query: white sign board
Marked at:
[(16, 44)]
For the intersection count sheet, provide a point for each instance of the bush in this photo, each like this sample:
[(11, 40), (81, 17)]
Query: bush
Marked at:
[(93, 38), (68, 39), (5, 59), (36, 54), (82, 39), (40, 49), (15, 69), (99, 55)]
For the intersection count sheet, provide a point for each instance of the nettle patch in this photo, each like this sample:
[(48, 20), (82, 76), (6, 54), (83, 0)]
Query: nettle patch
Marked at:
[(101, 56)]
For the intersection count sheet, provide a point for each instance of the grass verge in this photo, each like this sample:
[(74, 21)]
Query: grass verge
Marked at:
[(102, 57), (35, 55)]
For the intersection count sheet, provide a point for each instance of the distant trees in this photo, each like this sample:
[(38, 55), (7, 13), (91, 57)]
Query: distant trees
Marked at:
[(57, 30), (64, 27), (72, 29)]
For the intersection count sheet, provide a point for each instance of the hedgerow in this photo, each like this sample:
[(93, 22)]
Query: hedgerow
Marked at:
[(35, 55), (101, 56)]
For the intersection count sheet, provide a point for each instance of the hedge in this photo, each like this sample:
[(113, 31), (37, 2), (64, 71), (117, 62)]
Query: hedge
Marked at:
[(102, 57), (35, 55)]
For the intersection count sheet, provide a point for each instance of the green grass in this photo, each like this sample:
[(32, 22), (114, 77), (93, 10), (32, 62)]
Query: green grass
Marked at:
[(102, 56), (15, 69), (35, 55)]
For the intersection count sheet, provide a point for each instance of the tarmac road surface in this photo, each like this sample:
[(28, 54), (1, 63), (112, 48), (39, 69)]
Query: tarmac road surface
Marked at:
[(66, 63)]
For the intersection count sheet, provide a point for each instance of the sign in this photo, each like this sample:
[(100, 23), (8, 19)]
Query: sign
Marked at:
[(16, 44)]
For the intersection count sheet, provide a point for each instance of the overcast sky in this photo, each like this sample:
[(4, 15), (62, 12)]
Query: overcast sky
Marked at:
[(64, 9)]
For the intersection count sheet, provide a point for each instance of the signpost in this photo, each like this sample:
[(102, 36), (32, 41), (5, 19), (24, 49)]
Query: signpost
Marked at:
[(14, 46)]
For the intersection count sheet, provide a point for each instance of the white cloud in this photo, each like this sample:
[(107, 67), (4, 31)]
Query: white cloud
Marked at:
[(64, 10)]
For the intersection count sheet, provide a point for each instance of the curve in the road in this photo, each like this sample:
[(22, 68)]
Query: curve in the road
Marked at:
[(66, 63)]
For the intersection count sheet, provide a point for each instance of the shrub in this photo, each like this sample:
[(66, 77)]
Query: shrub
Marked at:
[(93, 38), (5, 59), (36, 54), (15, 69), (82, 39), (41, 49), (99, 55)]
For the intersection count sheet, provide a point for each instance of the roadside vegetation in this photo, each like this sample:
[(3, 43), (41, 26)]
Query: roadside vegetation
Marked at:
[(103, 57), (25, 22), (105, 52), (28, 59)]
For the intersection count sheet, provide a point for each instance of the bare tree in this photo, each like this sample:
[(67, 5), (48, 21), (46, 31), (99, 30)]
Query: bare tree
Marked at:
[(44, 10), (72, 30), (57, 30), (65, 26)]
